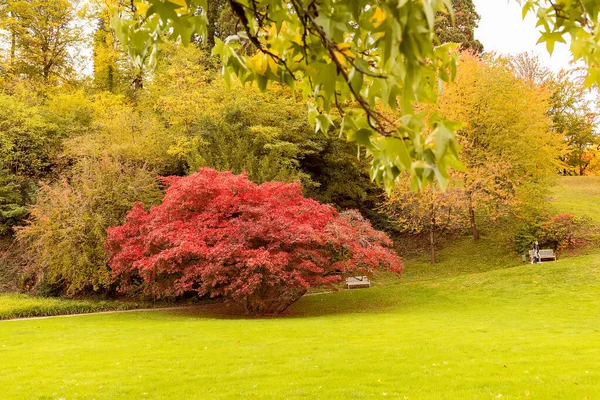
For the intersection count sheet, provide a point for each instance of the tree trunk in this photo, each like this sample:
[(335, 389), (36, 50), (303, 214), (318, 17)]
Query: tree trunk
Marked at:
[(212, 16), (138, 82), (13, 46), (432, 236), (474, 230), (110, 77)]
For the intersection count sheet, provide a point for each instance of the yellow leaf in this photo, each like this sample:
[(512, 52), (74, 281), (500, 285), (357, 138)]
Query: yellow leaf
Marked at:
[(340, 57), (141, 7), (378, 17), (181, 3), (258, 63), (272, 65), (346, 49)]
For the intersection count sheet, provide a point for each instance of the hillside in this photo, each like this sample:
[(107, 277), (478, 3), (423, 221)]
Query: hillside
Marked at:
[(479, 324), (527, 331), (579, 195)]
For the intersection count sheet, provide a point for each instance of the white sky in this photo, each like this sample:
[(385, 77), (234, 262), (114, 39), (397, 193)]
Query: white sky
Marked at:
[(503, 30)]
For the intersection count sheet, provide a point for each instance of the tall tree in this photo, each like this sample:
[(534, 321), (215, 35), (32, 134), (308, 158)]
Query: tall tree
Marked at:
[(348, 57), (507, 141), (430, 212), (352, 55), (460, 27), (44, 37), (106, 52), (575, 117)]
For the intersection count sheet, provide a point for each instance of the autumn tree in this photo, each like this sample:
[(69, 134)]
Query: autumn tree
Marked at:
[(430, 212), (459, 27), (66, 231), (352, 56), (44, 37), (507, 143), (574, 116), (28, 143), (571, 109), (260, 246), (106, 47), (530, 68), (120, 130)]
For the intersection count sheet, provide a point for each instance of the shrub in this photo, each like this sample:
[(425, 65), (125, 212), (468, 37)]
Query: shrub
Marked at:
[(560, 232), (12, 202), (563, 231), (260, 246), (67, 228)]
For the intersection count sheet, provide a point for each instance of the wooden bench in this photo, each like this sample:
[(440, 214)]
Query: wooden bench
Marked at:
[(546, 254), (357, 282)]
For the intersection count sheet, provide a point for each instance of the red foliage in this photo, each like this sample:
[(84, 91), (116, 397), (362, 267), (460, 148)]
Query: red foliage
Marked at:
[(563, 231), (219, 234)]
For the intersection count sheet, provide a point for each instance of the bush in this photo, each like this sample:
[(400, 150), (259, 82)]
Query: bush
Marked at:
[(18, 305), (260, 246), (67, 229), (560, 232), (563, 231), (12, 202)]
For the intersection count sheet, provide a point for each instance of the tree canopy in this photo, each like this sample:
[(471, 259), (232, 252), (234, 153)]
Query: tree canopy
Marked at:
[(356, 57)]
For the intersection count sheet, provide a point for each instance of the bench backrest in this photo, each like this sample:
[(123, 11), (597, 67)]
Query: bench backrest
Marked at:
[(544, 253), (354, 279)]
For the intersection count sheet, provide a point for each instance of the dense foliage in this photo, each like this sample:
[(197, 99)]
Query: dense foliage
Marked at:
[(67, 228), (261, 246), (371, 74), (347, 58), (459, 27), (508, 146), (559, 232), (357, 57)]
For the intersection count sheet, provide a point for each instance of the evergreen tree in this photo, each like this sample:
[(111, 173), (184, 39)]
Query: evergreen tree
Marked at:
[(461, 29)]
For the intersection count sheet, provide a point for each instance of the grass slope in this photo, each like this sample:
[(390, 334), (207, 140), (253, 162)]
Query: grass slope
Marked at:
[(579, 195), (17, 305), (526, 332)]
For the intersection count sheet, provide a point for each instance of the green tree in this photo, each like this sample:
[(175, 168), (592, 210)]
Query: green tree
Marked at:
[(460, 27), (574, 117), (348, 58), (506, 141), (29, 145), (121, 131), (44, 37), (12, 202), (241, 129), (352, 55), (66, 232)]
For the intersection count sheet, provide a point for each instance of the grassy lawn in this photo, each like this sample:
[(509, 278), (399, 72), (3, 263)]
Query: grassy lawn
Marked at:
[(579, 195), (16, 305), (531, 331)]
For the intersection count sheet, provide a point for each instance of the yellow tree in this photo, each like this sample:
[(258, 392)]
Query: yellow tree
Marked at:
[(44, 37), (106, 46), (431, 212), (507, 143)]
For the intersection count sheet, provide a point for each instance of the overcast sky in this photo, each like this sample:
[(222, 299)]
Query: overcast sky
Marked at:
[(502, 29)]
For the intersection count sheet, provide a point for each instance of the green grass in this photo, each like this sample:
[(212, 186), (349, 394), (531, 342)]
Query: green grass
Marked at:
[(479, 324), (461, 256), (16, 305), (531, 331), (578, 195)]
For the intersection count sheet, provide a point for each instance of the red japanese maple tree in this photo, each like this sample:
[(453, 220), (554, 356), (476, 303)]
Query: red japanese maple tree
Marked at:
[(262, 246)]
